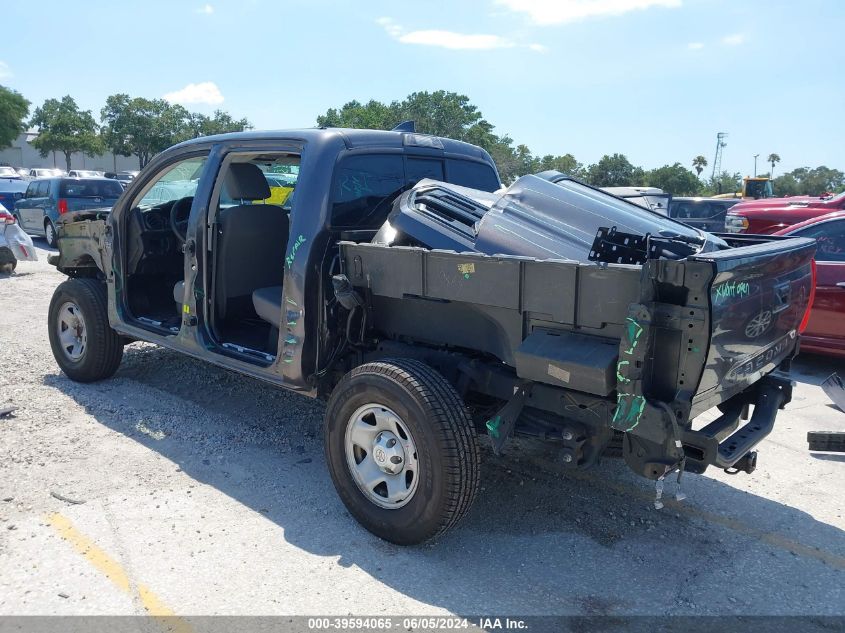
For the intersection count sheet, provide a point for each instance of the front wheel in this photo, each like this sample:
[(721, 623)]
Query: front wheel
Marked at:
[(402, 450), (83, 343)]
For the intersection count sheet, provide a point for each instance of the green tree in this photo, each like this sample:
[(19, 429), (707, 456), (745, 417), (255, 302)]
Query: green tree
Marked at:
[(63, 127), (723, 183), (373, 115), (675, 179), (565, 164), (809, 182), (13, 112), (614, 171), (142, 127), (773, 159), (220, 122), (699, 163)]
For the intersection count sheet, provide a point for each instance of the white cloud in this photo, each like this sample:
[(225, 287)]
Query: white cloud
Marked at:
[(538, 48), (547, 12), (5, 71), (206, 9), (449, 39), (733, 40), (204, 92), (695, 46), (455, 41)]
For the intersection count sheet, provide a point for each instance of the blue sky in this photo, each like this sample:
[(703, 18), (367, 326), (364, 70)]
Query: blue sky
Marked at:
[(653, 79)]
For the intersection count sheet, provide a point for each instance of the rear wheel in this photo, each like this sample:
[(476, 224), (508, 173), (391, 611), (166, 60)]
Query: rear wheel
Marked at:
[(402, 450), (50, 233), (83, 343)]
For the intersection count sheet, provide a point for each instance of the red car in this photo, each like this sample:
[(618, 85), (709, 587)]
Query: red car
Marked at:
[(773, 214), (825, 333)]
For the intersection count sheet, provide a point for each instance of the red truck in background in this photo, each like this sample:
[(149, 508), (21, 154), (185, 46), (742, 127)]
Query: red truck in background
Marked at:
[(773, 214)]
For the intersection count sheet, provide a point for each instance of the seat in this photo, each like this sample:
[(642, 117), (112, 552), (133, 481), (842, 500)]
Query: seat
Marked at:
[(251, 245), (268, 304)]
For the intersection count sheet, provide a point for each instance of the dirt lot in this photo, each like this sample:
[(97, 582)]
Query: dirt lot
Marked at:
[(205, 493)]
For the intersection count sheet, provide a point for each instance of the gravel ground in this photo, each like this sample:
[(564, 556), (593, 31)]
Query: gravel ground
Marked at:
[(206, 493)]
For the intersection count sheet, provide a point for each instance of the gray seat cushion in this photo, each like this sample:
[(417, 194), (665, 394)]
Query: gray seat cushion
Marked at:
[(268, 304)]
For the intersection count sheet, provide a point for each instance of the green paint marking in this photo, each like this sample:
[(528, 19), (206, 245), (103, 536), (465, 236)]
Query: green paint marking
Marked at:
[(293, 250), (466, 275), (732, 290), (634, 330), (619, 376), (290, 301), (629, 409), (493, 426)]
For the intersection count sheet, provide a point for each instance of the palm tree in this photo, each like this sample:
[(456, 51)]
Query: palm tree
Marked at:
[(699, 163), (773, 158)]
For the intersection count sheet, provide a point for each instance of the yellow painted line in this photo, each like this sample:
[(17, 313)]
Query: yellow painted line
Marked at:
[(117, 575)]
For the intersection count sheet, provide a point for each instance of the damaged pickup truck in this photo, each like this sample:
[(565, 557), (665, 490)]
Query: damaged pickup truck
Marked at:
[(430, 306)]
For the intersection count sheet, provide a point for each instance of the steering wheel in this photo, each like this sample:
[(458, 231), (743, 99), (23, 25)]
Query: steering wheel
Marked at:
[(179, 213)]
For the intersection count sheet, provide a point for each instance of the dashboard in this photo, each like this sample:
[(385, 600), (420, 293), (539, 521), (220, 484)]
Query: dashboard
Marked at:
[(151, 245)]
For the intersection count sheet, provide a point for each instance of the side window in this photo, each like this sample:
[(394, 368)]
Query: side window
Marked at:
[(360, 184), (418, 168), (830, 240), (471, 174), (43, 189), (179, 180), (31, 189)]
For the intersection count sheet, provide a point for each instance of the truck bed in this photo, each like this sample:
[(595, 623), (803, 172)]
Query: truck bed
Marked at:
[(628, 338)]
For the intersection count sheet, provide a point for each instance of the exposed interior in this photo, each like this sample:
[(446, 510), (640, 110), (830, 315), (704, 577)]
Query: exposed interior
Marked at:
[(249, 223)]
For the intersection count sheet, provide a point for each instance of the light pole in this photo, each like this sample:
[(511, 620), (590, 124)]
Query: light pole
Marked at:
[(755, 164)]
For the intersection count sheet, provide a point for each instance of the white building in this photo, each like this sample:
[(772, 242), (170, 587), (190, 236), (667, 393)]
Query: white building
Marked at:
[(23, 154)]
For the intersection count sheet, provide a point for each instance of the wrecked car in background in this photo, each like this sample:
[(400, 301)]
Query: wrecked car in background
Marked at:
[(428, 310)]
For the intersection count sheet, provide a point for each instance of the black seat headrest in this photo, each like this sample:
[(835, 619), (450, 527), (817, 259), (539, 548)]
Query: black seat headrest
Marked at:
[(245, 181)]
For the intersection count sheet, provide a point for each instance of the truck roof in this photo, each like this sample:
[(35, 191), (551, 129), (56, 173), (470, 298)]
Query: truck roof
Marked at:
[(352, 138)]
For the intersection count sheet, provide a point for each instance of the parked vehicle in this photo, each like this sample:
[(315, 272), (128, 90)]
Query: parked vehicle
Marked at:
[(825, 332), (11, 191), (45, 172), (9, 172), (84, 173), (126, 176), (707, 214), (768, 216), (652, 198), (753, 188), (429, 309), (14, 243), (47, 199), (23, 172)]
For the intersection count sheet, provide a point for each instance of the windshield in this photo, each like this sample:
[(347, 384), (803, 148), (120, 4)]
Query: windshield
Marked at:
[(758, 189)]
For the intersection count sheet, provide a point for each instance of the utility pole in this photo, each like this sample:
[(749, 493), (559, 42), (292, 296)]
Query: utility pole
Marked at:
[(755, 164), (717, 160)]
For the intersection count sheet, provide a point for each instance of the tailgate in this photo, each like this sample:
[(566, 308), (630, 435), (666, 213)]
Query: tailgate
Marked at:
[(758, 297)]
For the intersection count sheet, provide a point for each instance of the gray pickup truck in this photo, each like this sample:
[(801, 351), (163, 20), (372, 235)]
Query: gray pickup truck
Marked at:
[(390, 273)]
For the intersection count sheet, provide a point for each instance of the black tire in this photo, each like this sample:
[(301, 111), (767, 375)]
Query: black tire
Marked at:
[(50, 233), (103, 350), (8, 261), (444, 435)]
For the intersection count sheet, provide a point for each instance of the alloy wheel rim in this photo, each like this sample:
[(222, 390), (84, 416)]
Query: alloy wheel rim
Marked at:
[(382, 456)]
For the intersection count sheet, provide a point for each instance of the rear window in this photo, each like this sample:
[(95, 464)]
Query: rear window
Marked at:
[(90, 189), (471, 174), (362, 182)]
